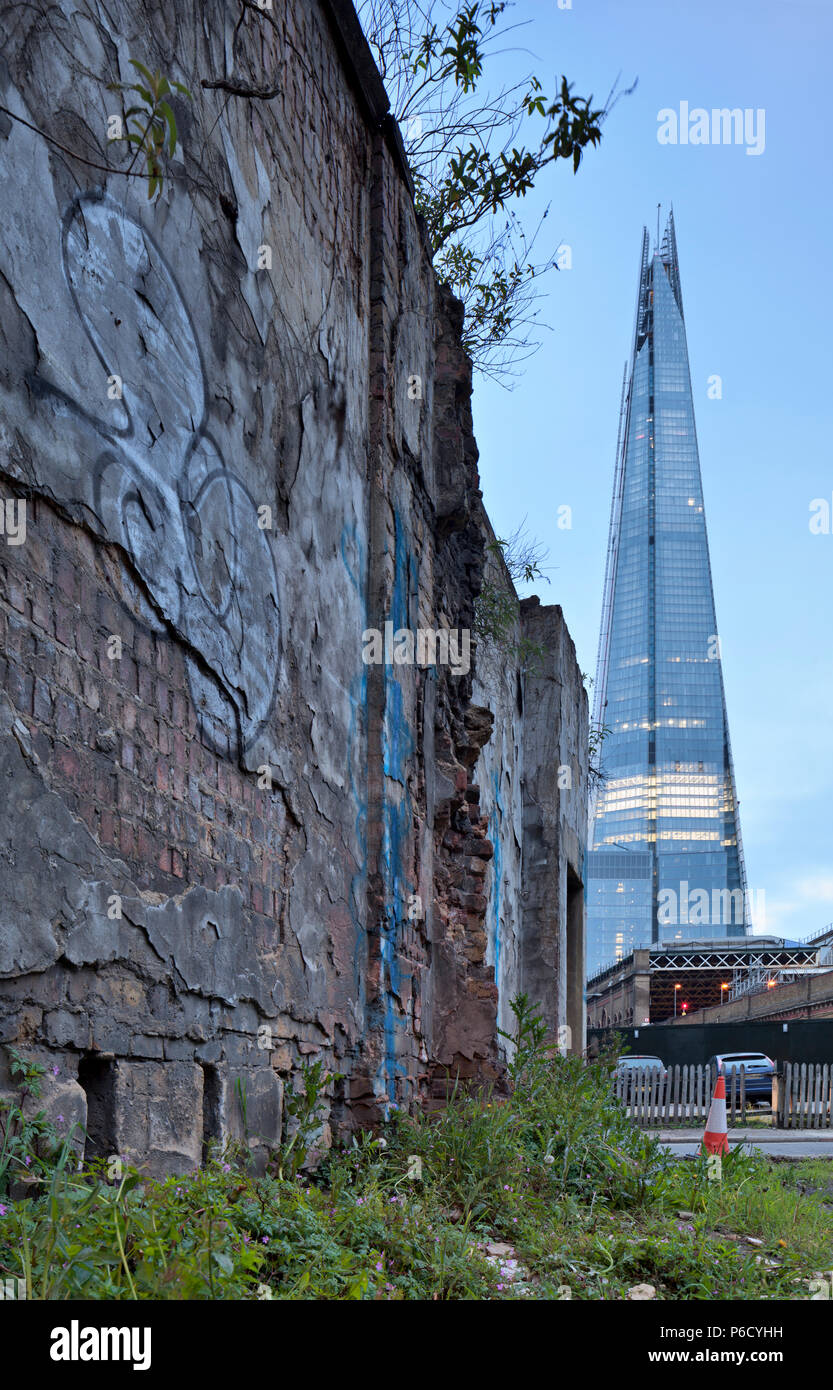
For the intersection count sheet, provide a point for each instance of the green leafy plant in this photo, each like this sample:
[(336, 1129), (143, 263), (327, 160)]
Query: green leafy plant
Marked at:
[(30, 1145), (530, 1048), (149, 127), (305, 1110), (150, 124)]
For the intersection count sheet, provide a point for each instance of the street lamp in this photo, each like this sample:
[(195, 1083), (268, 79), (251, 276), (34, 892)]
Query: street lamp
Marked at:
[(676, 987)]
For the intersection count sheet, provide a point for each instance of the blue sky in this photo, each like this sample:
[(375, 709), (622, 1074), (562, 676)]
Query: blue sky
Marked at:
[(754, 234)]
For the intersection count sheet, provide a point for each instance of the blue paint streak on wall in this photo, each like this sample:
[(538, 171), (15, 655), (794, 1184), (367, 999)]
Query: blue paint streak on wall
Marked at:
[(398, 744), (583, 872), (353, 556), (495, 823)]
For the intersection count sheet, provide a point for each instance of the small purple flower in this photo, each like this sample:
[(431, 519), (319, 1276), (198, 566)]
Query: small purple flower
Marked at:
[(27, 1160), (56, 1071), (379, 1265), (60, 1119), (3, 1209), (226, 1167), (265, 1240)]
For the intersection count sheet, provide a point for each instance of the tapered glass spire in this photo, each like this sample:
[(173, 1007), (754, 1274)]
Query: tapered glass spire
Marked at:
[(665, 860)]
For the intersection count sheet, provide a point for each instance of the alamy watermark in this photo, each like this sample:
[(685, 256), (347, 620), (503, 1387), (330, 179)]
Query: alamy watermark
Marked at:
[(427, 646), (13, 520), (821, 513), (77, 1343), (720, 126), (696, 907)]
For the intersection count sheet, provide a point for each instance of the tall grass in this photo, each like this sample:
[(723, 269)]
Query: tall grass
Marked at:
[(549, 1191)]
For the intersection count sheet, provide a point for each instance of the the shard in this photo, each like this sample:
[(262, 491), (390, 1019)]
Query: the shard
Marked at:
[(665, 860)]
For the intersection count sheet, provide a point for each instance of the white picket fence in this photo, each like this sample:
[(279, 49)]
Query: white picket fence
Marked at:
[(804, 1096), (657, 1097), (678, 1095)]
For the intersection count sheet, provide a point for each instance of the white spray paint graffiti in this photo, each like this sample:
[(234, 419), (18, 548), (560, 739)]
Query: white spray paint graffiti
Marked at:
[(162, 488)]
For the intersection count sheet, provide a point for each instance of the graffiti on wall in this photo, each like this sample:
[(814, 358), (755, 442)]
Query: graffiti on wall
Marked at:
[(398, 746), (161, 487)]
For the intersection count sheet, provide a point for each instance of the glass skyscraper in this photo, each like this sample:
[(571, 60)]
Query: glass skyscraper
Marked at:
[(665, 861)]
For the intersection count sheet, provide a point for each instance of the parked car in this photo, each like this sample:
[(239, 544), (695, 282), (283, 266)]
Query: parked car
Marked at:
[(646, 1067), (759, 1070)]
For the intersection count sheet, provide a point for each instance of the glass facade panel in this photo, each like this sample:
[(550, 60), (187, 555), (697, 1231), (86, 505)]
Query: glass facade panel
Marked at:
[(665, 861)]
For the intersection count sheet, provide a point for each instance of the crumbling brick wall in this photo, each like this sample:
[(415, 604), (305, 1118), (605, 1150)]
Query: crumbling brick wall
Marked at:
[(239, 420), (533, 779)]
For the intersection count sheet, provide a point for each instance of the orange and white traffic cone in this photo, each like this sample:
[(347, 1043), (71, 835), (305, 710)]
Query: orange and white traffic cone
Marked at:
[(716, 1137)]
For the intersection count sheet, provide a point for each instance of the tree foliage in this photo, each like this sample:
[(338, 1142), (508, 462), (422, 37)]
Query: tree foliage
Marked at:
[(475, 152)]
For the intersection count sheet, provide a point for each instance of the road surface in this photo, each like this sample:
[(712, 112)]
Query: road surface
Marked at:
[(777, 1144)]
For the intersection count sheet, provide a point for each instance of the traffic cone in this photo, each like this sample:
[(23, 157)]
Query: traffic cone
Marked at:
[(716, 1137)]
